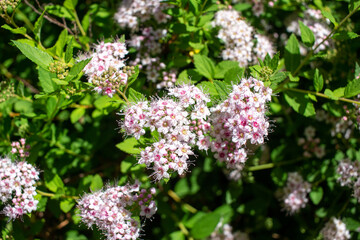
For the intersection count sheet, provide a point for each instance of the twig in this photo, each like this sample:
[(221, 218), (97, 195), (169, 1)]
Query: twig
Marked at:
[(50, 19)]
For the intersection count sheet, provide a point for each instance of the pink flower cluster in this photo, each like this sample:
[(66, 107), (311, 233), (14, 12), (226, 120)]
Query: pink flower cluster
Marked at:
[(225, 232), (17, 190), (294, 194), (335, 229), (111, 210), (104, 69), (180, 124), (20, 148), (310, 144), (238, 38), (131, 13), (239, 119), (349, 175)]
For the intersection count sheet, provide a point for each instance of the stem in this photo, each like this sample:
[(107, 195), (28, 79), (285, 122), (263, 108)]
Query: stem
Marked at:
[(177, 199), (123, 96), (309, 55), (272, 165), (321, 95), (78, 23), (53, 195)]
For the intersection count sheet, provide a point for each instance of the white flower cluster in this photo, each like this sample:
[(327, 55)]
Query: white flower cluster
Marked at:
[(239, 119), (294, 194), (111, 210), (147, 57), (238, 38), (317, 24), (104, 68), (17, 187), (133, 12), (180, 124), (225, 232), (310, 144), (349, 172), (335, 229)]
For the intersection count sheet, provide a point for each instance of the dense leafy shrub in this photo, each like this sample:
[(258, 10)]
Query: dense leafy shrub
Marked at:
[(180, 119)]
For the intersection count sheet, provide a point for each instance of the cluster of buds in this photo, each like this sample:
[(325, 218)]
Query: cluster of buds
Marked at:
[(335, 229), (7, 91), (108, 82), (310, 144), (20, 148), (5, 4), (169, 79), (105, 70), (294, 194), (17, 187), (181, 124), (116, 210), (60, 69), (239, 119)]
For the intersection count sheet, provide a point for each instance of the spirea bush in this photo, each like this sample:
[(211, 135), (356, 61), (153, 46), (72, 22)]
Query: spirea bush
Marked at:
[(180, 119)]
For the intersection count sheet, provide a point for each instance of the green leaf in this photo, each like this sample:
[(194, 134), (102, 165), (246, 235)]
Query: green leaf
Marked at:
[(51, 106), (318, 81), (292, 54), (344, 35), (53, 182), (77, 114), (223, 67), (352, 88), (222, 88), (59, 11), (300, 103), (36, 55), (67, 204), (76, 69), (194, 6), (242, 6), (69, 50), (209, 88), (70, 4), (20, 30), (204, 66), (278, 77), (351, 224), (226, 212), (135, 96), (316, 195), (205, 225), (330, 94), (234, 75), (133, 76), (307, 36), (37, 27), (353, 5), (96, 183), (357, 71), (274, 61), (45, 80), (328, 14), (188, 76), (130, 145)]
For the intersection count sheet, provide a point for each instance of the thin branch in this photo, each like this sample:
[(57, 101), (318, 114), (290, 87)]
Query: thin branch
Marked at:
[(50, 19)]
